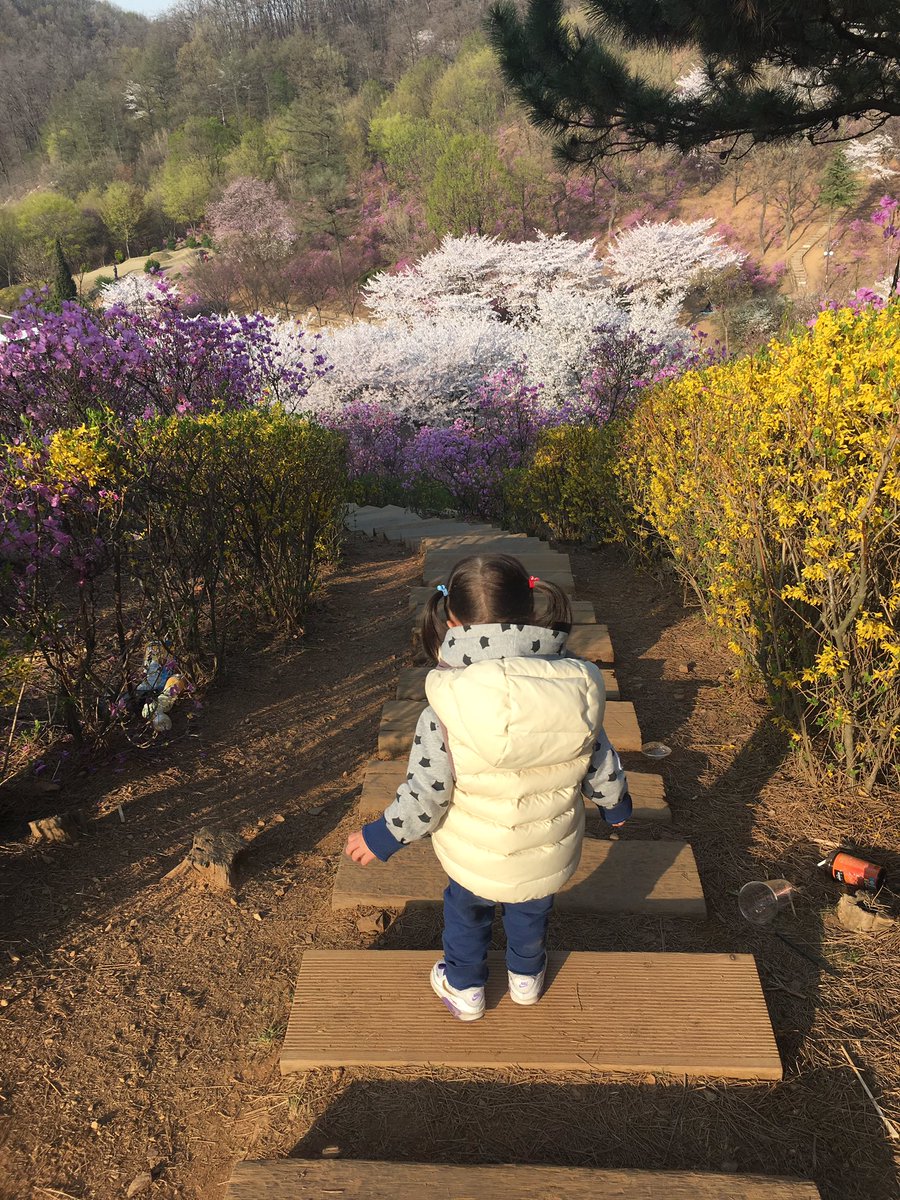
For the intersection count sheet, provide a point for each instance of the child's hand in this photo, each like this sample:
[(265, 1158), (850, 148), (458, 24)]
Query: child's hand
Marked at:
[(357, 849)]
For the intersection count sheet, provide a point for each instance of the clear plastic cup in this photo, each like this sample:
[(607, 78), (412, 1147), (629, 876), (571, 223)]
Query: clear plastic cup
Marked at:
[(761, 900)]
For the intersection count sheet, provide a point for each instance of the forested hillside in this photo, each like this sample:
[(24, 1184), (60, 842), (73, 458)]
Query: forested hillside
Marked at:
[(317, 142)]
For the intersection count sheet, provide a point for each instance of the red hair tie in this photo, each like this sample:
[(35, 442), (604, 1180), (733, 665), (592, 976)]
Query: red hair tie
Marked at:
[(532, 580)]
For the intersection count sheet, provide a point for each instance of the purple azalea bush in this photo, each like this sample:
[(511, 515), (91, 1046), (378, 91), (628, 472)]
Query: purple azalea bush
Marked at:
[(57, 369)]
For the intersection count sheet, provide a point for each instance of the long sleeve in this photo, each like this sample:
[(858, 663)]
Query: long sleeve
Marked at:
[(422, 799), (605, 782)]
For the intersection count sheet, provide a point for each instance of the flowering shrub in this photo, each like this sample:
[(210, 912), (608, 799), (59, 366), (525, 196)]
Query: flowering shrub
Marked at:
[(58, 368), (774, 482)]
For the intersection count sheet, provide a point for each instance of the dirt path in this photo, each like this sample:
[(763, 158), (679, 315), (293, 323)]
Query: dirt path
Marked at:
[(143, 1018)]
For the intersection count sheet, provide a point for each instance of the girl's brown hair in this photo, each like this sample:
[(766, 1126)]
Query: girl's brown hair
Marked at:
[(492, 589)]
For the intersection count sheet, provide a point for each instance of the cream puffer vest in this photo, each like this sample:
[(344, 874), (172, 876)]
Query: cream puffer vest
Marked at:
[(521, 734)]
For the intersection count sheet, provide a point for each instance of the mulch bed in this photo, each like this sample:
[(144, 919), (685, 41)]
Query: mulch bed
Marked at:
[(141, 1017)]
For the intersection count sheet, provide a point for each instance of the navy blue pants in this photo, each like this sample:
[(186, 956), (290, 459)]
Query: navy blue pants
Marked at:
[(467, 936)]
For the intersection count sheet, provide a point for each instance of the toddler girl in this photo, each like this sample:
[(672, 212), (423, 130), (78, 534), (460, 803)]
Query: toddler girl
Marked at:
[(511, 738)]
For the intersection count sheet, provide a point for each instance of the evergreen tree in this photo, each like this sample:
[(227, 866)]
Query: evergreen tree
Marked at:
[(840, 186), (771, 71), (63, 286)]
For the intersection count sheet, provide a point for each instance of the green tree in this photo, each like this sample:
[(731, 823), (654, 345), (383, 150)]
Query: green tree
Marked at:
[(840, 186), (470, 188), (470, 94), (43, 217), (121, 209), (183, 191), (409, 147), (63, 286), (772, 70)]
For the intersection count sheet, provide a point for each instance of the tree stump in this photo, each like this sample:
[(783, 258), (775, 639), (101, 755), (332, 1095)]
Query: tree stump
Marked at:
[(213, 856), (60, 827)]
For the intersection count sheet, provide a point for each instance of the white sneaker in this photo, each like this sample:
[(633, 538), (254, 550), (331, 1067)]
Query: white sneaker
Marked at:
[(466, 1004), (526, 989)]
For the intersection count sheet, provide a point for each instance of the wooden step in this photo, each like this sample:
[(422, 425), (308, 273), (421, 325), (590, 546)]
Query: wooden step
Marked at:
[(411, 684), (399, 717), (353, 1179), (671, 1013), (382, 779), (655, 878), (483, 543)]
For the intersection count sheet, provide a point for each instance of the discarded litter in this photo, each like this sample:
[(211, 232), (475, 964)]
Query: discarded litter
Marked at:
[(656, 749), (853, 872), (761, 900)]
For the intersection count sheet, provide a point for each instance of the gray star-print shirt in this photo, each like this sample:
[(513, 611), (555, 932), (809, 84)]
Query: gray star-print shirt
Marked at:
[(424, 797)]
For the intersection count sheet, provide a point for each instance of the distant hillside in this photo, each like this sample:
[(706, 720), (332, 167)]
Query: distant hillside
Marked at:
[(45, 47)]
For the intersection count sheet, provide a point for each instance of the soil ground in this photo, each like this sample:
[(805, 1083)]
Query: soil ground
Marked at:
[(140, 1018)]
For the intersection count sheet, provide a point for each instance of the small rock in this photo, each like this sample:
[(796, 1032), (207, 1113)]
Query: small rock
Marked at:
[(139, 1184), (278, 818), (649, 1079), (95, 1125), (854, 916), (678, 695), (373, 924), (708, 1094), (687, 667), (614, 837), (257, 916)]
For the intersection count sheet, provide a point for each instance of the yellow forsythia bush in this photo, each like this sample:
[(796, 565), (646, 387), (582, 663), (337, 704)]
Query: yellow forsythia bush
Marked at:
[(568, 487), (774, 481)]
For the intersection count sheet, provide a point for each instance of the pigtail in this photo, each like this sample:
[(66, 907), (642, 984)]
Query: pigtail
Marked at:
[(558, 614), (434, 624)]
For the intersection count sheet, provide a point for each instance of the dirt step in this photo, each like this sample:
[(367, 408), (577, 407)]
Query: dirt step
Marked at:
[(304, 1179), (383, 778), (674, 1014), (399, 717), (655, 878), (411, 684)]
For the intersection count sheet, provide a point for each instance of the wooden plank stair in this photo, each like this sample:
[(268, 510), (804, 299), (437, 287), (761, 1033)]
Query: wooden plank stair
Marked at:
[(383, 777), (351, 1179), (682, 1014), (399, 717), (700, 1015), (656, 878)]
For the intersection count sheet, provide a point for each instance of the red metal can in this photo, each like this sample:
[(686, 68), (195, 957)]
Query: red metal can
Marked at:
[(854, 872)]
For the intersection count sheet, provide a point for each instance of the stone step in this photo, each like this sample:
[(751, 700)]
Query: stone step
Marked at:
[(669, 1013), (383, 778), (399, 717), (654, 878), (353, 1179), (411, 684), (582, 611)]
